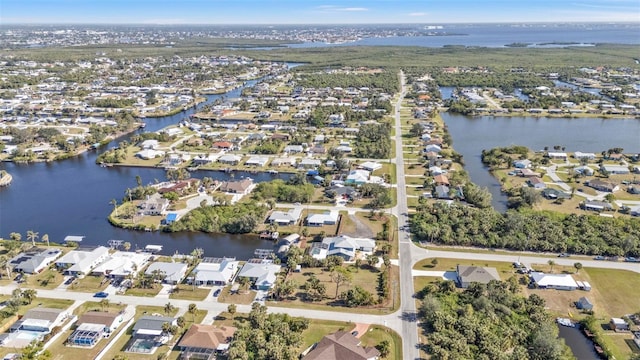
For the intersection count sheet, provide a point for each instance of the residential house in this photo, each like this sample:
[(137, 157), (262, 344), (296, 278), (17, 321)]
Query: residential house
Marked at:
[(215, 271), (80, 262), (329, 217), (341, 345), (341, 192), (553, 281), (93, 326), (584, 170), (442, 192), (293, 149), (370, 166), (433, 148), (343, 246), (596, 205), (261, 272), (528, 173), (536, 183), (230, 159), (260, 161), (465, 275), (285, 218), (584, 304), (109, 320), (557, 155), (204, 342), (200, 160), (291, 161), (441, 179), (154, 205), (41, 320), (34, 261), (581, 155), (522, 164), (602, 185), (551, 193), (180, 187), (171, 272), (242, 186), (148, 328), (177, 159), (224, 145), (149, 144), (148, 154), (308, 163), (121, 264), (357, 177), (615, 169), (318, 150)]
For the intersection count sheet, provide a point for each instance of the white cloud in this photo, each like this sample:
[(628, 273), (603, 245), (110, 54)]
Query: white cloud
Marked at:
[(418, 14), (328, 8)]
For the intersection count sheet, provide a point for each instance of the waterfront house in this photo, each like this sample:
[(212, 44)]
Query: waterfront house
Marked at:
[(215, 271), (291, 161), (34, 260), (584, 304), (260, 161), (465, 275), (242, 186), (557, 155), (261, 272), (121, 264), (581, 155), (205, 342), (553, 281), (433, 148), (150, 144), (308, 163), (329, 217), (341, 345), (285, 218), (230, 159), (584, 170), (522, 164), (199, 160), (536, 183), (441, 179), (171, 273), (154, 205), (80, 262), (148, 154), (602, 185), (343, 246), (442, 192)]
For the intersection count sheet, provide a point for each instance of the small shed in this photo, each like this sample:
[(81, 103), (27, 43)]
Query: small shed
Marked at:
[(584, 304), (587, 286)]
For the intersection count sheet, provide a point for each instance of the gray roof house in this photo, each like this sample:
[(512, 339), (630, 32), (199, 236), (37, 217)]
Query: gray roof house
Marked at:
[(34, 261), (262, 272), (343, 246), (470, 274), (173, 272), (151, 325), (289, 217), (442, 192)]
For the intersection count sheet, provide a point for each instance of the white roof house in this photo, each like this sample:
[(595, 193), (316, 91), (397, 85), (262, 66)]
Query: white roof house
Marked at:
[(357, 176), (257, 161), (148, 154), (215, 271), (80, 262), (122, 263), (371, 166), (262, 272), (343, 246), (616, 169), (149, 144), (285, 218), (581, 155), (329, 217), (554, 281), (173, 272)]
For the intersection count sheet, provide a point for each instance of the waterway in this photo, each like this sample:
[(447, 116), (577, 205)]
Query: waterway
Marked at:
[(471, 135), (581, 347), (71, 197)]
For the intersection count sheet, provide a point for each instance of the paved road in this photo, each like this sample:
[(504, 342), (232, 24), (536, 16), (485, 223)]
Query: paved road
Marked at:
[(407, 303)]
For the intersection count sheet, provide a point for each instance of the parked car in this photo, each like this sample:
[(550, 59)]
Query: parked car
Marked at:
[(19, 278), (354, 333), (599, 257), (631, 259), (101, 294), (563, 255), (69, 281), (216, 293)]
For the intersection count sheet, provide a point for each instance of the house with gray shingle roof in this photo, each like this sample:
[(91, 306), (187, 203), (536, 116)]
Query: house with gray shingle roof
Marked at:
[(466, 275)]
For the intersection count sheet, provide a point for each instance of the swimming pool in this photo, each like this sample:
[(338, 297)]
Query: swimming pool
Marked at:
[(143, 346)]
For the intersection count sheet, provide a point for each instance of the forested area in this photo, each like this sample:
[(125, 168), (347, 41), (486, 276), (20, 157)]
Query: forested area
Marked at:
[(284, 192), (526, 230), (507, 81), (234, 219), (387, 81), (373, 141), (488, 321), (320, 114)]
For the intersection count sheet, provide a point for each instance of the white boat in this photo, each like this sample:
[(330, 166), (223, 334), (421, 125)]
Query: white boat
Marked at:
[(153, 248), (565, 322)]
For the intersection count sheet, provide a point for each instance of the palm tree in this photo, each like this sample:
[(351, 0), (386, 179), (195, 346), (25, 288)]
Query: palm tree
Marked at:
[(45, 238), (126, 246), (578, 266), (32, 236), (104, 303), (193, 308), (168, 308), (551, 263), (115, 206), (232, 308), (29, 295), (4, 263)]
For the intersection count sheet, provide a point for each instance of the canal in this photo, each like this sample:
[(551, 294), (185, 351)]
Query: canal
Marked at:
[(71, 197)]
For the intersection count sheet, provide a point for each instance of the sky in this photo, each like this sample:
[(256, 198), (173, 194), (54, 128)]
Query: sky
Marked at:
[(315, 11)]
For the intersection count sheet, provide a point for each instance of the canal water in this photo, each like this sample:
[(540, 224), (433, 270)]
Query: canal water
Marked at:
[(581, 347), (473, 134), (71, 197)]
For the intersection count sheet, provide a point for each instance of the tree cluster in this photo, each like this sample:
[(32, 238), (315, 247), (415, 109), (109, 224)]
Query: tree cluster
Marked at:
[(284, 192), (373, 141), (234, 219), (488, 322), (387, 81), (526, 230), (267, 336)]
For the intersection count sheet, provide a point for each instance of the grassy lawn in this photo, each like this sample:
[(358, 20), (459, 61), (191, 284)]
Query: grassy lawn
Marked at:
[(89, 284), (377, 334), (241, 297), (414, 169), (415, 180), (48, 279), (364, 277), (505, 270), (387, 168), (150, 292), (95, 306), (186, 292)]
